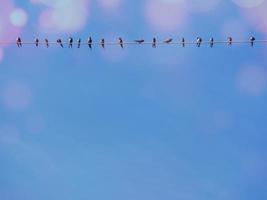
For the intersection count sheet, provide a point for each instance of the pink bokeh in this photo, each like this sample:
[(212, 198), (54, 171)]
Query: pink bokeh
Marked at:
[(110, 6), (63, 16), (166, 16), (16, 96), (8, 31), (252, 80)]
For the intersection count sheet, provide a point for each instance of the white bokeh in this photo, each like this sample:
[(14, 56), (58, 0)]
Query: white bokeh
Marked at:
[(18, 17), (248, 3)]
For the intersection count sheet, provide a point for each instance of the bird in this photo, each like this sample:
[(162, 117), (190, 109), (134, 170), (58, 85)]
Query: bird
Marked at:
[(59, 41), (139, 41), (79, 42), (252, 40), (89, 42), (230, 41), (154, 42), (199, 41), (19, 42), (121, 42), (36, 42), (183, 42), (102, 42), (70, 42), (167, 41), (47, 43), (211, 42)]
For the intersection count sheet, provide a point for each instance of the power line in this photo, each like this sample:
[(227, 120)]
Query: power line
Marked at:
[(70, 42)]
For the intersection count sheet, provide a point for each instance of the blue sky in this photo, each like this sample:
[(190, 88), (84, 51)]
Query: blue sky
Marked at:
[(138, 123)]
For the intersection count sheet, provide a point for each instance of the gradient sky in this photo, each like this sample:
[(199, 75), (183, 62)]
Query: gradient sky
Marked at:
[(135, 124)]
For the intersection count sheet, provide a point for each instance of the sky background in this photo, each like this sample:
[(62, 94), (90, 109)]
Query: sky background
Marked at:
[(140, 123)]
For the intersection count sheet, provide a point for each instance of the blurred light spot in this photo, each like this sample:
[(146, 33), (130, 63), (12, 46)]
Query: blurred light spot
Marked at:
[(16, 96), (18, 17), (110, 5), (248, 3), (1, 55), (202, 5), (165, 16), (252, 80), (234, 28), (35, 125), (7, 30), (9, 134), (63, 16)]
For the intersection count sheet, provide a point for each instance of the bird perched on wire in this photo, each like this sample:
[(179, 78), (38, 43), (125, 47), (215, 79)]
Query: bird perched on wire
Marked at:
[(70, 42), (19, 42), (89, 42), (199, 41), (102, 42), (168, 41), (252, 40), (139, 41), (59, 41), (183, 42), (211, 42), (154, 42), (79, 42), (230, 41), (46, 42), (36, 42), (121, 42)]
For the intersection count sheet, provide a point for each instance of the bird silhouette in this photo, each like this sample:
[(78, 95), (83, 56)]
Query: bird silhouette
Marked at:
[(199, 41), (89, 42), (102, 42), (47, 43), (252, 40), (121, 42), (230, 41), (70, 42), (139, 41), (19, 42), (154, 42), (36, 42), (79, 42), (167, 41), (183, 42), (211, 42), (59, 41)]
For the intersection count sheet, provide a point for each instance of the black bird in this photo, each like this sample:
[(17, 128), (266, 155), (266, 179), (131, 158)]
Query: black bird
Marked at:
[(59, 41), (46, 42), (36, 42), (89, 42), (183, 42), (252, 40), (19, 42), (154, 42), (140, 41), (167, 41), (230, 41), (199, 41), (70, 42), (211, 42), (121, 42), (102, 43), (79, 42)]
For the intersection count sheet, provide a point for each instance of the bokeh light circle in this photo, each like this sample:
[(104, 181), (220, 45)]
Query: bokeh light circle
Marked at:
[(248, 3), (18, 17)]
